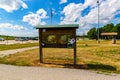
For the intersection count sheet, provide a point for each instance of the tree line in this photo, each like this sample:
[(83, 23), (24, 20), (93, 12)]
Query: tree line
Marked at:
[(93, 32)]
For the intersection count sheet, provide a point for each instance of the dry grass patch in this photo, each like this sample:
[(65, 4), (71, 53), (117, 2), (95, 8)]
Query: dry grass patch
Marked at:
[(52, 57), (21, 59)]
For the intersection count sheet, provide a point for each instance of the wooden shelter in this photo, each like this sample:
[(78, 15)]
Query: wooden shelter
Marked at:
[(57, 36), (111, 35)]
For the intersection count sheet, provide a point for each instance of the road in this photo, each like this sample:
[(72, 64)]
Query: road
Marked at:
[(13, 51), (16, 42), (8, 72)]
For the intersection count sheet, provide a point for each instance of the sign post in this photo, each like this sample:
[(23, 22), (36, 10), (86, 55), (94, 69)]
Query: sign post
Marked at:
[(74, 47), (40, 46), (57, 36)]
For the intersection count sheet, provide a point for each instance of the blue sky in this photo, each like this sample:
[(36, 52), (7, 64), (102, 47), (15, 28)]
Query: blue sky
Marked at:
[(18, 17)]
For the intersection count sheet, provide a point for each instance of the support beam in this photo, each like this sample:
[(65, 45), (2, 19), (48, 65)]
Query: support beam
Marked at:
[(75, 48), (40, 46)]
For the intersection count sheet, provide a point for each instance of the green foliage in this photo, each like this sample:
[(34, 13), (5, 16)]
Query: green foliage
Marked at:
[(107, 28), (117, 29), (92, 33)]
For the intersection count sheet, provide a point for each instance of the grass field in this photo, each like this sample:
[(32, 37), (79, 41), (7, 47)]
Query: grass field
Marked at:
[(103, 57), (16, 46)]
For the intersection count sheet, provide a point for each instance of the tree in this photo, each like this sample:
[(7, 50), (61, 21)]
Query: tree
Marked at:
[(92, 33), (108, 28), (117, 29)]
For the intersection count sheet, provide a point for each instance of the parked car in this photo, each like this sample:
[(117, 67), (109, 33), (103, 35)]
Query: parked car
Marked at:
[(21, 39), (34, 39), (2, 39)]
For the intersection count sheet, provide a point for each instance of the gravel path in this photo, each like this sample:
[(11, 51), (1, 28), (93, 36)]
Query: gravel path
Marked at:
[(8, 72), (7, 52)]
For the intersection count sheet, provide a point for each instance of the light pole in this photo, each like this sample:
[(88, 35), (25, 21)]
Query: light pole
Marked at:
[(51, 15), (98, 24)]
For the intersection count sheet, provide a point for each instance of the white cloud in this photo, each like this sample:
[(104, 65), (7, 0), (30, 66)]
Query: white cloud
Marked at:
[(91, 3), (11, 5), (62, 1), (11, 26), (16, 30), (108, 10), (72, 13), (42, 13), (20, 33), (36, 18)]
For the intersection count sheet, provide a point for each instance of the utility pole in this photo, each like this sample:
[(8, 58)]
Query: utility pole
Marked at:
[(98, 34), (83, 35), (51, 15)]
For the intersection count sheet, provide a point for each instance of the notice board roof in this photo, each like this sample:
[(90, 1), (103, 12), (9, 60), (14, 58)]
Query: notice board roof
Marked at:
[(57, 26)]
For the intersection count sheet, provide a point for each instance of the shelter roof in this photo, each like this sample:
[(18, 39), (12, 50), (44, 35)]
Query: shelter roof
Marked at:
[(109, 34), (57, 26)]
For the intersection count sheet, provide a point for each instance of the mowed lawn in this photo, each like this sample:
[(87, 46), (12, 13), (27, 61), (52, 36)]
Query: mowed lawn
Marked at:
[(17, 46), (103, 57)]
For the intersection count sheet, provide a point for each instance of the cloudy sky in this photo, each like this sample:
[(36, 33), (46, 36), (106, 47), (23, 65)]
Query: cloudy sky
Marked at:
[(19, 17)]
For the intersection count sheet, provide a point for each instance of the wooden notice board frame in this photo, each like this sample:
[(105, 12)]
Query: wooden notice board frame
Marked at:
[(57, 36)]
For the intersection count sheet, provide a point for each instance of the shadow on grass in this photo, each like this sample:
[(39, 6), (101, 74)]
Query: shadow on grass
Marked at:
[(100, 67)]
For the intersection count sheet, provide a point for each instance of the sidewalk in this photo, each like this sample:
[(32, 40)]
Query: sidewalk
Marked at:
[(8, 72), (7, 52)]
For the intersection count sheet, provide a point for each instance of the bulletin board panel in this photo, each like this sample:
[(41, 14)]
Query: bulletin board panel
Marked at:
[(57, 38)]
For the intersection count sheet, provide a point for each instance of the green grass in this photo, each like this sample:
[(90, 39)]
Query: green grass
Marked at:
[(103, 57), (16, 46), (7, 37)]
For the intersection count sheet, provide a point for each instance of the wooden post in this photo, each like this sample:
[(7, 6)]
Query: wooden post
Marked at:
[(40, 46), (75, 47)]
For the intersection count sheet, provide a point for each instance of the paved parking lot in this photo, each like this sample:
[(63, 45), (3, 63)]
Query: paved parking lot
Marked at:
[(15, 42), (8, 72)]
